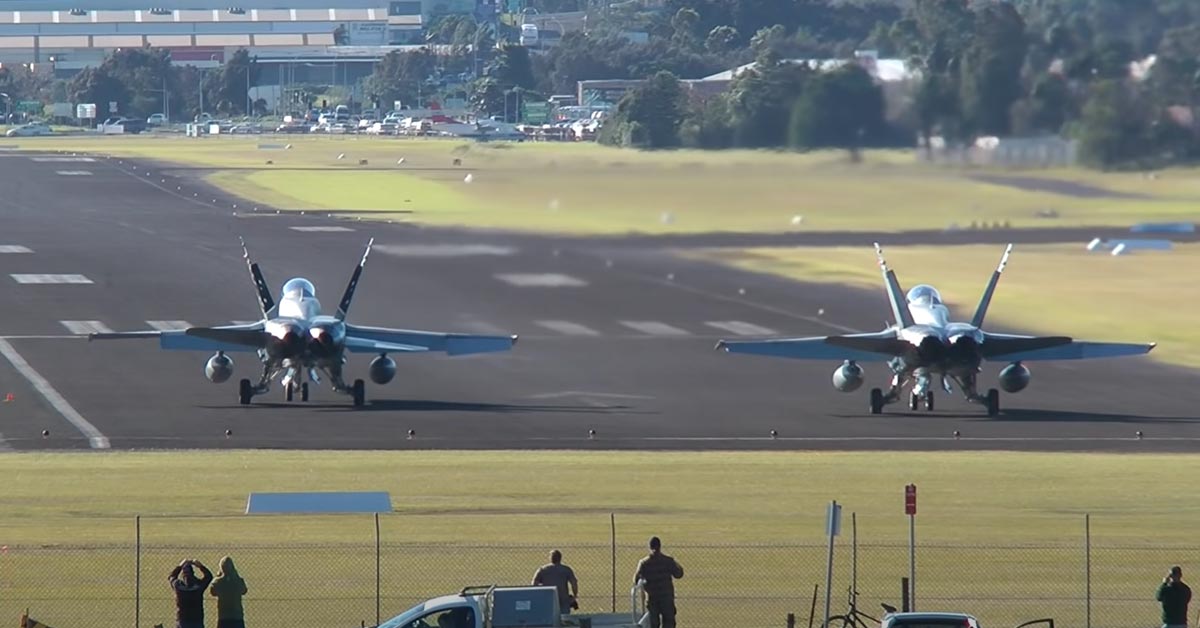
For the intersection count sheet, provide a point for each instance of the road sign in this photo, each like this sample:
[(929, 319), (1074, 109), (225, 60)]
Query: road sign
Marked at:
[(112, 106), (85, 111), (535, 112), (833, 519), (910, 499)]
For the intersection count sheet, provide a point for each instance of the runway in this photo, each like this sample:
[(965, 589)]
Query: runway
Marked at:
[(616, 347)]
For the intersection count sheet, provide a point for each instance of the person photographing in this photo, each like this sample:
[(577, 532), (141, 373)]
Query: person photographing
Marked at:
[(1174, 596)]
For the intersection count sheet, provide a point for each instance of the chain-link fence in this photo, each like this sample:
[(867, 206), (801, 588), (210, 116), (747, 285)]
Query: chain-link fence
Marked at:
[(372, 574)]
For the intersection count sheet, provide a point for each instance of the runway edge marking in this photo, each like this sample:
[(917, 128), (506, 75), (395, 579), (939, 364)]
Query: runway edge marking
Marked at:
[(95, 439)]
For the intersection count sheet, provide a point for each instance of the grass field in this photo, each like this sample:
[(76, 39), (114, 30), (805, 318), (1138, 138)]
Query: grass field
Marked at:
[(585, 188), (1051, 289), (1001, 533)]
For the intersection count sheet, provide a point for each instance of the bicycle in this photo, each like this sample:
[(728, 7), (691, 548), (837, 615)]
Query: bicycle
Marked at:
[(854, 618)]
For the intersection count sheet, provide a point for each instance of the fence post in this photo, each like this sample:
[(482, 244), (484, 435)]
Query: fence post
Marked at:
[(378, 571), (1087, 560), (612, 526), (137, 571)]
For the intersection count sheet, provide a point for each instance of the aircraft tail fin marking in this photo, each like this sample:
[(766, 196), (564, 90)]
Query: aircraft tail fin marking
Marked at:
[(348, 296), (895, 293)]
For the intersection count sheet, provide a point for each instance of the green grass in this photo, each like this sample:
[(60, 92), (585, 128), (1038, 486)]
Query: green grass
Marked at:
[(1049, 289), (585, 188), (747, 527)]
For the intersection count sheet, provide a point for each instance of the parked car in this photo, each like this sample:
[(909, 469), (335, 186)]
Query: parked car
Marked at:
[(292, 128), (156, 119), (28, 130)]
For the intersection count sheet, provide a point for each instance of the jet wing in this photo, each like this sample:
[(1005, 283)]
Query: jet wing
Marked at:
[(228, 338), (1006, 348), (871, 347), (378, 339)]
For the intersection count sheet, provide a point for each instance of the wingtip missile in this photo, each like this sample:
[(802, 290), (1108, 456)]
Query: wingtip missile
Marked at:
[(515, 338), (720, 345)]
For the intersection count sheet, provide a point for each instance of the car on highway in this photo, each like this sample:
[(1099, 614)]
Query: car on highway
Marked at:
[(156, 119), (28, 130)]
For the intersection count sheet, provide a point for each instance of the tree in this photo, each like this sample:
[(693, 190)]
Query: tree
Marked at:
[(838, 109), (684, 26), (762, 99), (649, 116), (991, 69), (721, 39), (709, 124), (231, 85), (399, 76), (1114, 126), (512, 67)]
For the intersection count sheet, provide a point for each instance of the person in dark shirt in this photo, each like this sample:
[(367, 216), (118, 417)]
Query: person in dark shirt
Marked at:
[(556, 574), (189, 593), (1174, 596), (658, 573)]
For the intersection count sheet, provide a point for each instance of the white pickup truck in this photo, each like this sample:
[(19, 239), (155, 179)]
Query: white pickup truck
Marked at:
[(511, 607)]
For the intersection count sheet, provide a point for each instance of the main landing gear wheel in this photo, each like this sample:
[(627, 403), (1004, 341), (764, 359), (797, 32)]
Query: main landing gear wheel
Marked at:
[(245, 392), (876, 401), (304, 391), (289, 392), (913, 401), (359, 392), (929, 401), (993, 402)]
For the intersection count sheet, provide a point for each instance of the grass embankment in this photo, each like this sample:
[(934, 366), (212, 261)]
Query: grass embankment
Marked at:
[(1049, 289), (747, 527), (585, 188)]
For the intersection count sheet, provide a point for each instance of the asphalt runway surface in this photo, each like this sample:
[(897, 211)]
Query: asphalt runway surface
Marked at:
[(616, 338)]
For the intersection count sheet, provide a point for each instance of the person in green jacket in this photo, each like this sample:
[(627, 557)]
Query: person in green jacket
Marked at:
[(1174, 595), (228, 588)]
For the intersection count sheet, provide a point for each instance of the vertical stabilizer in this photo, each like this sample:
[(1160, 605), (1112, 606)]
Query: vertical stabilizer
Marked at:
[(266, 302), (981, 311), (895, 293), (348, 296)]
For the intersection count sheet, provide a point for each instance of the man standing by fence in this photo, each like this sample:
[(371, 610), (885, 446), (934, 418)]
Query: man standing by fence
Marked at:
[(1174, 596), (189, 593), (559, 575), (659, 572)]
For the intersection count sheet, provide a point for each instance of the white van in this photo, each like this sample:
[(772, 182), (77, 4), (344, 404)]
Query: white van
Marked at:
[(529, 34)]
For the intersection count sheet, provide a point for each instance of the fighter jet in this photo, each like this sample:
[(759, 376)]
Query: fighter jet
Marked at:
[(923, 349), (295, 340)]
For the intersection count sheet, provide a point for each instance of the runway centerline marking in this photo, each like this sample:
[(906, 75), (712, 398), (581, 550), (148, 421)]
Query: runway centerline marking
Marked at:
[(74, 173), (14, 248), (168, 325), (568, 328), (95, 439), (42, 278), (541, 280), (63, 159), (321, 229), (83, 328), (742, 328), (655, 328), (445, 250)]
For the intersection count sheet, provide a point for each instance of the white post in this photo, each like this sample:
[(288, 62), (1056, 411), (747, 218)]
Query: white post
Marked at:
[(912, 561), (833, 523)]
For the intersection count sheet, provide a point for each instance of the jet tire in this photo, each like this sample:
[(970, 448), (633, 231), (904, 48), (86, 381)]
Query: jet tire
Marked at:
[(245, 392), (359, 392), (876, 401), (993, 402)]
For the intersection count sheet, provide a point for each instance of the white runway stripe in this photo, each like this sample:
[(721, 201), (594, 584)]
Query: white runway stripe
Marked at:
[(321, 228), (45, 278), (568, 328), (95, 438), (655, 328), (75, 173), (168, 325), (14, 248), (82, 328), (62, 159), (541, 280), (742, 328)]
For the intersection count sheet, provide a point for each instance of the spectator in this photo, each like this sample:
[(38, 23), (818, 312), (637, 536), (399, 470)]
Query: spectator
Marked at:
[(228, 588), (658, 573), (1174, 596), (559, 576), (189, 593)]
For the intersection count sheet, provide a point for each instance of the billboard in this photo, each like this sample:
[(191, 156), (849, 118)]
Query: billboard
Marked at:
[(362, 34)]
